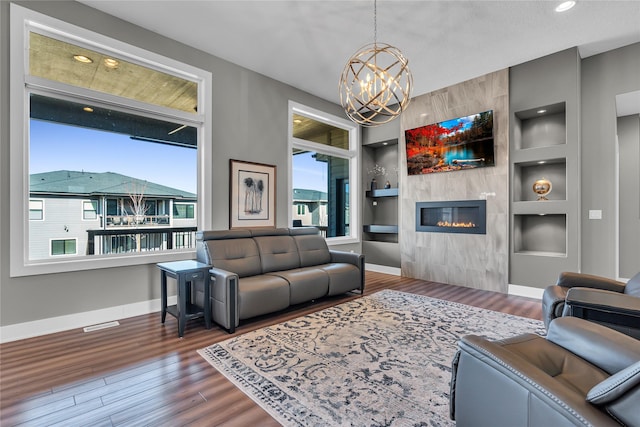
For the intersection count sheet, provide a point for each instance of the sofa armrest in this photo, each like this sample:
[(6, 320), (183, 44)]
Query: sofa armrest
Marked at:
[(350, 258), (552, 303), (571, 280), (604, 301), (224, 298), (610, 350)]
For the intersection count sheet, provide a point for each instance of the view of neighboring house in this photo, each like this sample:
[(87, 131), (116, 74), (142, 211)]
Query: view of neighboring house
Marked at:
[(87, 213), (310, 207)]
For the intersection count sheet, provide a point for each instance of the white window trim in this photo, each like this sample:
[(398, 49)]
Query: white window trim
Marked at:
[(21, 21), (353, 154), (82, 211)]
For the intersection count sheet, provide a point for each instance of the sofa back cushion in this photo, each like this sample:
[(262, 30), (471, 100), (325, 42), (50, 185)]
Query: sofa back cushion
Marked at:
[(239, 256), (277, 253), (313, 250)]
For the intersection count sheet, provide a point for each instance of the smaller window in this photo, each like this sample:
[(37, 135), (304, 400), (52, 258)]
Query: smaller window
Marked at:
[(36, 210), (301, 209), (89, 209), (183, 210), (63, 247)]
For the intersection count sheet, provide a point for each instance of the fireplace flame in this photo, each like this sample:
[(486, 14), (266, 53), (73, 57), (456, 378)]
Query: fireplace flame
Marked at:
[(455, 224)]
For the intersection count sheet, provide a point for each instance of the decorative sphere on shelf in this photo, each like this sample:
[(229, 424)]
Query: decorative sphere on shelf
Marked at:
[(542, 188)]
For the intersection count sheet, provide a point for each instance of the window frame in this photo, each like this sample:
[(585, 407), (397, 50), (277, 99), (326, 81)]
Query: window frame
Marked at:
[(84, 211), (352, 155), (22, 22), (41, 201)]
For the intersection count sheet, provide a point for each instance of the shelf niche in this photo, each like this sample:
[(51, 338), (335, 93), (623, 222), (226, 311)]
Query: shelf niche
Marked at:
[(544, 235), (538, 127), (525, 174)]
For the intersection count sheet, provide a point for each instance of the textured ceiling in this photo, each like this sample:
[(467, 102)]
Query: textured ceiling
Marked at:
[(306, 43)]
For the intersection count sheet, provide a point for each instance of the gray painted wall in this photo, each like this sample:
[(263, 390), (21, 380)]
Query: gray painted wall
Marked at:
[(629, 182), (249, 123), (603, 77)]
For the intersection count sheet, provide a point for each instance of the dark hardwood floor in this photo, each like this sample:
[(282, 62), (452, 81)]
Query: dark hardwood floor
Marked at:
[(141, 373)]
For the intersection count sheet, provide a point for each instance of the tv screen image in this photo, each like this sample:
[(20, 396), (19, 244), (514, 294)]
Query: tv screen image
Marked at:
[(451, 145)]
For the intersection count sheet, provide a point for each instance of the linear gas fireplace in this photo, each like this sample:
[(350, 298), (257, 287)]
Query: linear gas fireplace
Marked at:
[(460, 216)]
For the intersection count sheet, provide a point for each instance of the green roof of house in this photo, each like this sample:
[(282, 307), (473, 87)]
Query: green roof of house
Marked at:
[(301, 194), (66, 182)]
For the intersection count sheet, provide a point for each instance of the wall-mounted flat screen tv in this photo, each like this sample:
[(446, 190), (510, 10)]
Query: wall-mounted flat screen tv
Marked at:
[(451, 145)]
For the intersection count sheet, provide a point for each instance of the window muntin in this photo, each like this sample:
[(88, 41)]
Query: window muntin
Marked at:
[(323, 173), (63, 247)]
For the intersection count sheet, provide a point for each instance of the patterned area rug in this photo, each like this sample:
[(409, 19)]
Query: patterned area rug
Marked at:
[(380, 360)]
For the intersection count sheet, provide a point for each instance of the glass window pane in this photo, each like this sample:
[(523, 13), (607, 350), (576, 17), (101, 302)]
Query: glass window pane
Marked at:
[(319, 132), (70, 64), (130, 161), (321, 184)]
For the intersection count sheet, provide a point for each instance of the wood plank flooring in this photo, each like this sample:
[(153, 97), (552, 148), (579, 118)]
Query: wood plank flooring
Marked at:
[(141, 373)]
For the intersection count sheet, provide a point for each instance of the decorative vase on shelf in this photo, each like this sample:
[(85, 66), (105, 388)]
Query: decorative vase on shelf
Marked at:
[(374, 184), (542, 188)]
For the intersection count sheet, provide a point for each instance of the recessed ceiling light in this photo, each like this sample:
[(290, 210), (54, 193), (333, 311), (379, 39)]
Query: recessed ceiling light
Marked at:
[(541, 111), (297, 121), (385, 143), (542, 162), (111, 63), (563, 7), (88, 109), (83, 59)]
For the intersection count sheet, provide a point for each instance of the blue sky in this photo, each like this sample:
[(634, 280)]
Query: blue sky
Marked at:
[(61, 147), (309, 174)]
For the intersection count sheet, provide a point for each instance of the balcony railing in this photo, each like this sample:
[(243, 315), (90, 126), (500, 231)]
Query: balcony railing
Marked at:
[(136, 220), (123, 240)]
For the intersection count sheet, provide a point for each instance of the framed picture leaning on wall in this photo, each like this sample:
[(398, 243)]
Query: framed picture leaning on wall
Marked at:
[(252, 194)]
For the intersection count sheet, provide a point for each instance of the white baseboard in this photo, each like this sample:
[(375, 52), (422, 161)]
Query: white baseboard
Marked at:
[(525, 291), (383, 269), (79, 320)]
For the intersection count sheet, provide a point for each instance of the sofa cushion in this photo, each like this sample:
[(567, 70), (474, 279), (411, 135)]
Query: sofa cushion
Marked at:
[(312, 249), (261, 294), (633, 286), (236, 255), (342, 277), (305, 284), (277, 253)]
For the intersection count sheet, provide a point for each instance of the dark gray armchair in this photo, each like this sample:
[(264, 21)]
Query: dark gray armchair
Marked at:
[(609, 302), (581, 374)]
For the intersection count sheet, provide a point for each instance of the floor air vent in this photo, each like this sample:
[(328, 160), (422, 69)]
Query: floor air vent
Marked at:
[(102, 326)]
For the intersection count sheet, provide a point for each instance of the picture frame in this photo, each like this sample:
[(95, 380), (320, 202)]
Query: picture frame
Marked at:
[(252, 194)]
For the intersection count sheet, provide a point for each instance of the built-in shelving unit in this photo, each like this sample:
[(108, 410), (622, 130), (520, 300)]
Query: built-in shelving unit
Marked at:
[(380, 205), (544, 122)]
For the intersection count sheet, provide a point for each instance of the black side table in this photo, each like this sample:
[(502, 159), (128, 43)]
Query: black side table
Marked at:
[(185, 272)]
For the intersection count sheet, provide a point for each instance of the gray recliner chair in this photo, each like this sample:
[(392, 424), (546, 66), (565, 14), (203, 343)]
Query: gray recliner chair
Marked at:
[(581, 374), (609, 302)]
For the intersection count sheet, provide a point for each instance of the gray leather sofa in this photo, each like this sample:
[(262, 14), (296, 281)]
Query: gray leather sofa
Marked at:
[(581, 374), (263, 270), (606, 301)]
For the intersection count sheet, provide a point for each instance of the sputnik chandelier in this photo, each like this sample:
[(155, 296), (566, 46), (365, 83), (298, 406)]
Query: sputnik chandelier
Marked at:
[(375, 85)]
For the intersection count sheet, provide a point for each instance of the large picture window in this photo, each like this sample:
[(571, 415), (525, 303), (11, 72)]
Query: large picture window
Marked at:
[(324, 167), (112, 131)]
